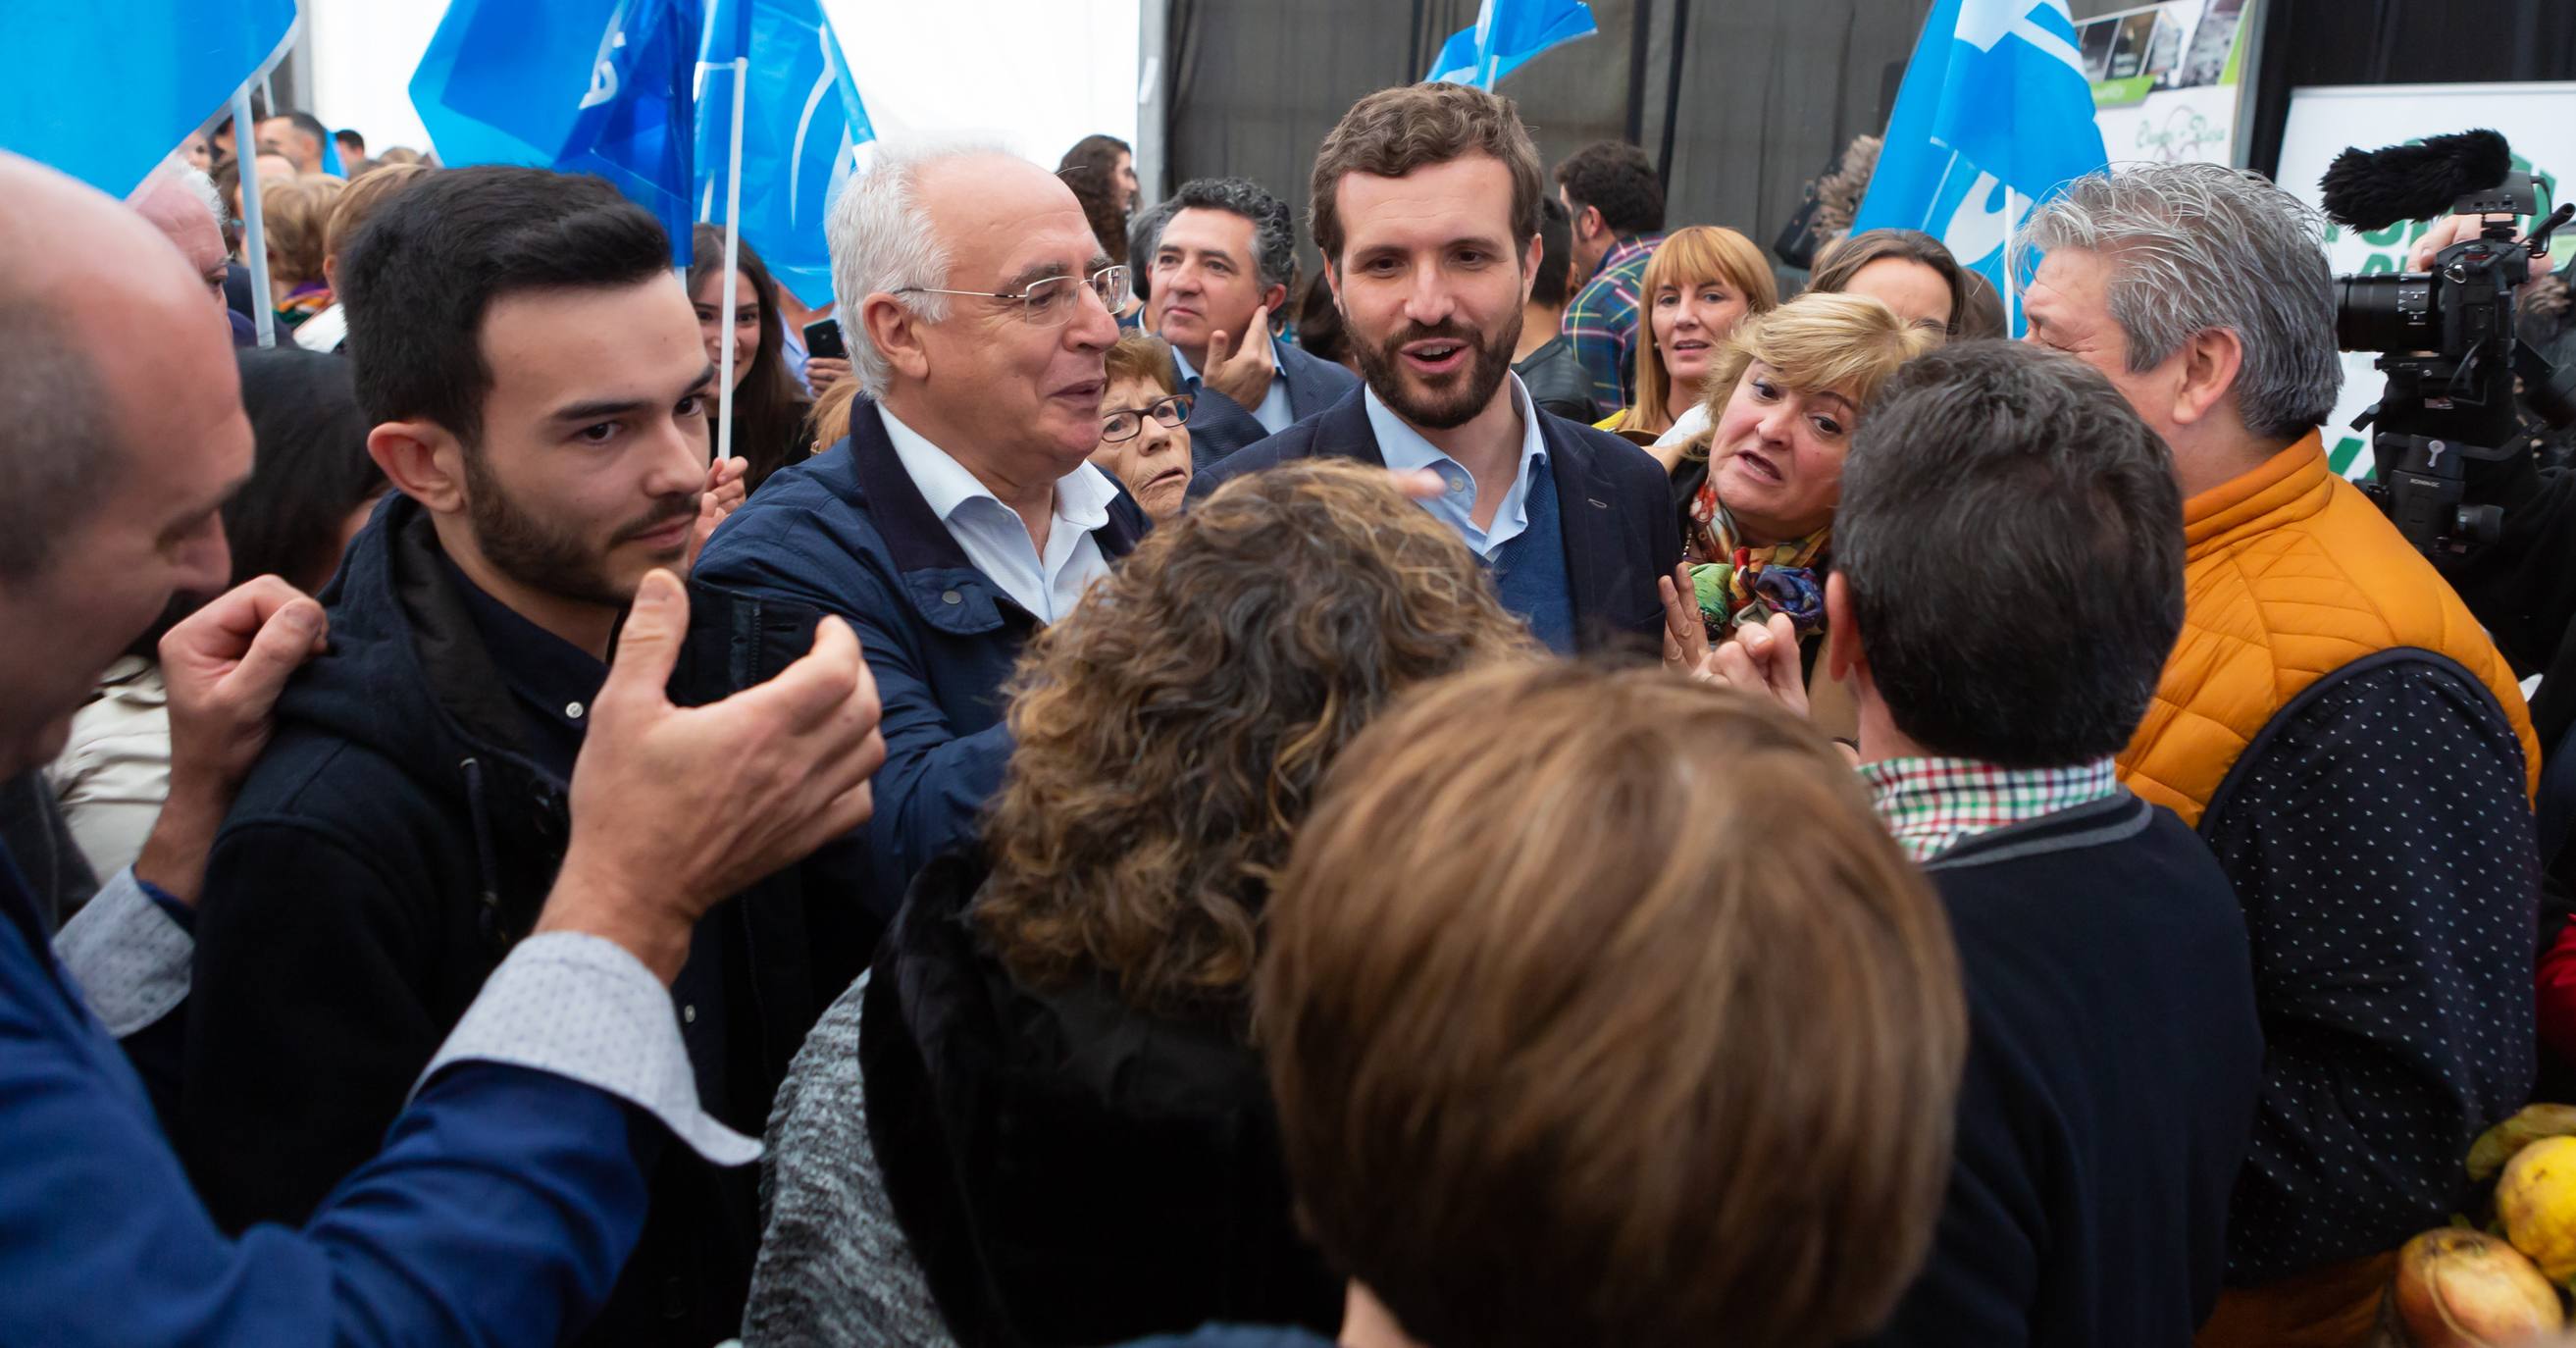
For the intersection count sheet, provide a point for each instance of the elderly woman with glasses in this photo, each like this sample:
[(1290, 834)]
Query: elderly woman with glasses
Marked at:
[(1144, 425)]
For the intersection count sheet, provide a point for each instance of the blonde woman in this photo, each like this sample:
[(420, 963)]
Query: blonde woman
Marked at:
[(1757, 493), (1698, 286)]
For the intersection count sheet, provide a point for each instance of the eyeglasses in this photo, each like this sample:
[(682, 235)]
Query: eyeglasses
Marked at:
[(1051, 302), (1171, 411)]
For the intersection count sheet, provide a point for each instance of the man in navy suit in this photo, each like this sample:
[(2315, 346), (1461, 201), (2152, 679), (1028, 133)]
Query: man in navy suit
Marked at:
[(1426, 207), (1220, 267)]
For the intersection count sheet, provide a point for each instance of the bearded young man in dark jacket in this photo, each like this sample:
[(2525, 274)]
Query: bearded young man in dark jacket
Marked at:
[(541, 399)]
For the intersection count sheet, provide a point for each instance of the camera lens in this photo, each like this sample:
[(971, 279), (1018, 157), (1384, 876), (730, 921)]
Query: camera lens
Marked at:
[(2386, 311)]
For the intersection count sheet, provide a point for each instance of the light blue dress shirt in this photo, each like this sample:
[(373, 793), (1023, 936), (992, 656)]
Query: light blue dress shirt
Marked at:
[(1407, 451), (997, 540), (1273, 413)]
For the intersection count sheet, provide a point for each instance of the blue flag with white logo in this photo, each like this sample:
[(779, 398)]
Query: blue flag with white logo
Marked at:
[(1507, 34), (1994, 99), (581, 86), (803, 125), (104, 90)]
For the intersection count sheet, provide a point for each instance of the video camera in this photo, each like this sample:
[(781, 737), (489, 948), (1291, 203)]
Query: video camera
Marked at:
[(2445, 337)]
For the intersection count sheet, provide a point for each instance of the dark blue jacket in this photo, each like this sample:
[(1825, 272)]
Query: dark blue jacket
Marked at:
[(1614, 504), (1219, 425), (2114, 1056), (848, 532), (497, 1210), (393, 842)]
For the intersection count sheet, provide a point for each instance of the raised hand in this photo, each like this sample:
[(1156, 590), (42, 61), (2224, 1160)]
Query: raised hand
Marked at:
[(1243, 375), (1686, 648), (225, 664), (674, 808), (724, 492)]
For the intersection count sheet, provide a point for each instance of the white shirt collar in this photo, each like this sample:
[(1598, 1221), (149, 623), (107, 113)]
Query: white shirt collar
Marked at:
[(1082, 496), (1405, 450)]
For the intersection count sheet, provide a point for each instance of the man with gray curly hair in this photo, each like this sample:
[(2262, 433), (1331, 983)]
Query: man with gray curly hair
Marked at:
[(961, 513), (2334, 723), (1220, 267)]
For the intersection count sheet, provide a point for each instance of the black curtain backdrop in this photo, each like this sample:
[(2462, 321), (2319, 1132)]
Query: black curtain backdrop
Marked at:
[(2310, 42), (1741, 101)]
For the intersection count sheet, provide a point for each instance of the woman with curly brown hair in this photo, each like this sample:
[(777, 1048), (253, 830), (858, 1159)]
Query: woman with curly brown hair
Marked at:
[(1077, 1146)]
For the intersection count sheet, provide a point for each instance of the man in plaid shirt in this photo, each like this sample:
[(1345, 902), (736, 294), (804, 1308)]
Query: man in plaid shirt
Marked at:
[(1617, 204)]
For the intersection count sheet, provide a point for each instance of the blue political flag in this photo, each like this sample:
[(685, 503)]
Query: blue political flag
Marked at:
[(581, 86), (803, 126), (104, 90), (1507, 34), (1995, 114)]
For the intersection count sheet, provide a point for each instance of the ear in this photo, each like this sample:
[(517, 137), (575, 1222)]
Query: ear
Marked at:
[(424, 461), (331, 273), (1333, 285), (896, 332), (2210, 359), (1529, 267), (1846, 660), (1276, 297), (1591, 223)]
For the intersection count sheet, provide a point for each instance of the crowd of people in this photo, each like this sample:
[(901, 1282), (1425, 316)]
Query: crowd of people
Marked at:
[(1525, 790)]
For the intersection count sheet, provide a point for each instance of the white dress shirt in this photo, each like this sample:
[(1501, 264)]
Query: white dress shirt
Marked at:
[(997, 540), (1406, 450)]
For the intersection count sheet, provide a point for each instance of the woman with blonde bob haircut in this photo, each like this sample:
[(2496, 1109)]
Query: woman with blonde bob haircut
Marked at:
[(1757, 491), (1558, 1062), (1698, 286), (1076, 1139)]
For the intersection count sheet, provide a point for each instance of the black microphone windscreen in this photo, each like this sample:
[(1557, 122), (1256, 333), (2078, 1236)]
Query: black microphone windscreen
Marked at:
[(2373, 189)]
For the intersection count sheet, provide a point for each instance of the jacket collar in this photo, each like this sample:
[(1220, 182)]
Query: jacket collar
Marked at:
[(937, 578), (1585, 516), (2291, 485)]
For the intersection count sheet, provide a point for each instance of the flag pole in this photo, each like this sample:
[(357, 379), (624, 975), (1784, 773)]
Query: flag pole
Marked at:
[(732, 259), (263, 304), (2012, 278)]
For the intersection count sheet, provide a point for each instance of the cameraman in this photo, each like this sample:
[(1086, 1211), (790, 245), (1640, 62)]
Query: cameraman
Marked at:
[(2523, 588)]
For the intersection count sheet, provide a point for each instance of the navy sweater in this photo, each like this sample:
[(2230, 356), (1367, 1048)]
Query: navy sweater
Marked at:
[(2113, 1063)]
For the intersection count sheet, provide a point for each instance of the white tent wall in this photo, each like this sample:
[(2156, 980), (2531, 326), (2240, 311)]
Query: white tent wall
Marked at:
[(1041, 74)]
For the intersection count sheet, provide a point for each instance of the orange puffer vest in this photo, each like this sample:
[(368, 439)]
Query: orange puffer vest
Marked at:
[(2290, 574)]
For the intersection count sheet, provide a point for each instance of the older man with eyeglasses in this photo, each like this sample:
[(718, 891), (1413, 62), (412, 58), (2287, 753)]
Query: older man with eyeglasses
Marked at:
[(960, 514)]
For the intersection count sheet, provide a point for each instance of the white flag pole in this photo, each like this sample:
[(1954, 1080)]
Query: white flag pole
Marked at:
[(2012, 278), (732, 261), (263, 304)]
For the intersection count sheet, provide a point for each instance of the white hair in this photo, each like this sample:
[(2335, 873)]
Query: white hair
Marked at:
[(883, 241), (2194, 247), (189, 176)]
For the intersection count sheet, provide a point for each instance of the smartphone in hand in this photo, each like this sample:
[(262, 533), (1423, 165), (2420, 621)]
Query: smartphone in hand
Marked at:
[(823, 339)]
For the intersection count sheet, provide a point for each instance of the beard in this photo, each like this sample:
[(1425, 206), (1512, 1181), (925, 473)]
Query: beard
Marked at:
[(1457, 398), (550, 559)]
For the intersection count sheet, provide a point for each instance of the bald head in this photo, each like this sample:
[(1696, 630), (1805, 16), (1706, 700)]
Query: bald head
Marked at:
[(183, 205), (126, 435)]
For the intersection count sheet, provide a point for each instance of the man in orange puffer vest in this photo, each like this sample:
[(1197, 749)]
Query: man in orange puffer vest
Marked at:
[(2337, 727)]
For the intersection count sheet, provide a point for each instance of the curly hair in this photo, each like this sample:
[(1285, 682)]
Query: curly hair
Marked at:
[(1171, 732)]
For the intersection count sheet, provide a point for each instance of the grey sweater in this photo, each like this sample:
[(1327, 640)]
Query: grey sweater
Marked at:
[(834, 1267)]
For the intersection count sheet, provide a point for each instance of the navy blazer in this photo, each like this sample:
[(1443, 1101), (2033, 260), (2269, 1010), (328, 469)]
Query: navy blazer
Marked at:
[(848, 532), (1614, 505), (1219, 425)]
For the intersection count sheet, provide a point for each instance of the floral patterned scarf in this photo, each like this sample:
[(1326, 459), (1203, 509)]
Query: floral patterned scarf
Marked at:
[(1740, 584)]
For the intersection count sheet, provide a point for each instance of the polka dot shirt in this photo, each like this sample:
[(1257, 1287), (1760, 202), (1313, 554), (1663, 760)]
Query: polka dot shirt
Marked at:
[(2382, 845)]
